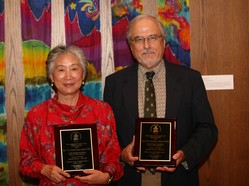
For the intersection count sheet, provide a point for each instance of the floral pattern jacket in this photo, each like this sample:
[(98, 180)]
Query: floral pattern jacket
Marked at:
[(37, 146)]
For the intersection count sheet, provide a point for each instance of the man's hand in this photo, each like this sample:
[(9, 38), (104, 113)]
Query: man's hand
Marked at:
[(179, 157), (126, 154), (54, 173)]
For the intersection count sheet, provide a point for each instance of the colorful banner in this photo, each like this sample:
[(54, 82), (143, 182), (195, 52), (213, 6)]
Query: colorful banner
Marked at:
[(82, 24), (36, 37), (3, 132), (174, 14)]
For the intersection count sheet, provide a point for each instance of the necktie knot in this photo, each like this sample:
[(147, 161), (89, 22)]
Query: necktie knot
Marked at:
[(149, 75)]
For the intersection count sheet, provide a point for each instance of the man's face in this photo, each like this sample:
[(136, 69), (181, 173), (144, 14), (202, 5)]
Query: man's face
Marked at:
[(149, 51)]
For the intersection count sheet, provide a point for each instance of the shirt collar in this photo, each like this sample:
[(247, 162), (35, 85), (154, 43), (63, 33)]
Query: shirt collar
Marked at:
[(157, 69)]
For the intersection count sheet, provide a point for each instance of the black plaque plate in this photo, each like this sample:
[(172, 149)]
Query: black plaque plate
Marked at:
[(76, 147), (155, 142)]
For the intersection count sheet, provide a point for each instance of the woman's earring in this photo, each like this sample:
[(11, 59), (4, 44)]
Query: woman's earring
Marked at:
[(83, 82), (52, 84)]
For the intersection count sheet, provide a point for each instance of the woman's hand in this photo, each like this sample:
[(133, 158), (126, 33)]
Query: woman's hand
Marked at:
[(54, 173), (94, 177)]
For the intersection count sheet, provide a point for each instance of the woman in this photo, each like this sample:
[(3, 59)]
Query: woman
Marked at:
[(66, 70)]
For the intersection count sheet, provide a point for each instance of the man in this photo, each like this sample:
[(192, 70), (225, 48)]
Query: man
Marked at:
[(180, 94)]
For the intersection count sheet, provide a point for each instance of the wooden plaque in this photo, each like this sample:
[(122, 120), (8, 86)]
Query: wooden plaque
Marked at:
[(76, 147), (155, 142)]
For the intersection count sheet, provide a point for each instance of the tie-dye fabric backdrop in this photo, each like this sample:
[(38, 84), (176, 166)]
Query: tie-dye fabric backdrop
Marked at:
[(174, 14), (3, 146), (36, 37)]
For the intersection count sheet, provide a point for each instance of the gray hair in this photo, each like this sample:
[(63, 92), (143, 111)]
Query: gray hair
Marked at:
[(140, 17), (62, 49)]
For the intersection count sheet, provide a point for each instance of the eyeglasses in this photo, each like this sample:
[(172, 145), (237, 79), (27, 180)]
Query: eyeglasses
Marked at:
[(139, 40)]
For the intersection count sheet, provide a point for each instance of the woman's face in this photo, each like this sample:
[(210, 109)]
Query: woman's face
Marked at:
[(67, 75)]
